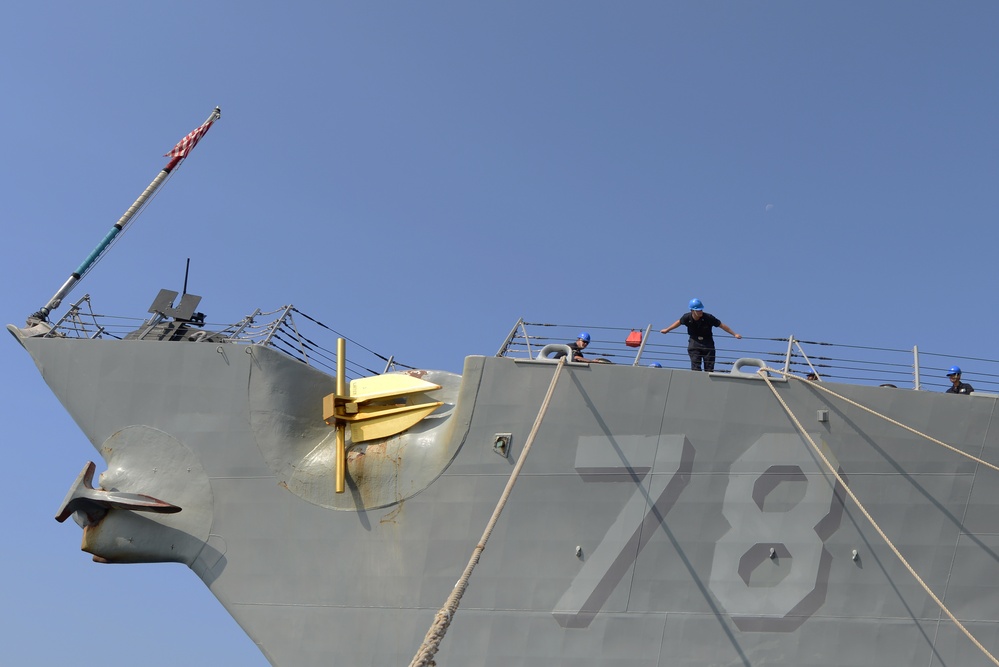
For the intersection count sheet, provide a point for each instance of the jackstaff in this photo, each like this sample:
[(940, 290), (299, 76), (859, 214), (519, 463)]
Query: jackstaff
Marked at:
[(179, 152)]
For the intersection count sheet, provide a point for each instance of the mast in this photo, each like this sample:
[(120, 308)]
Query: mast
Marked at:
[(177, 155)]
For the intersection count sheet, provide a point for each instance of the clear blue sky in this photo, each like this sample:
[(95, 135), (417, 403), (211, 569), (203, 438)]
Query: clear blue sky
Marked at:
[(423, 174)]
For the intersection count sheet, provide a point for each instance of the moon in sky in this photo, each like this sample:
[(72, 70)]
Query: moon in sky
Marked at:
[(768, 207)]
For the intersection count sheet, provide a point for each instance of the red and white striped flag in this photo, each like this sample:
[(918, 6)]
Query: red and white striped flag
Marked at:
[(187, 144)]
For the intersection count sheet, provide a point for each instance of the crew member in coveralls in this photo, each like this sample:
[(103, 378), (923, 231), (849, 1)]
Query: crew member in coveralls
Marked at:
[(700, 344)]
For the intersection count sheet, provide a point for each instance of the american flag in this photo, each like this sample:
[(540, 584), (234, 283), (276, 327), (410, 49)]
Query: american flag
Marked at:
[(187, 144)]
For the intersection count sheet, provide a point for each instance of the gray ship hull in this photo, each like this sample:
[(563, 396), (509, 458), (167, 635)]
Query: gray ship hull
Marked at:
[(663, 517)]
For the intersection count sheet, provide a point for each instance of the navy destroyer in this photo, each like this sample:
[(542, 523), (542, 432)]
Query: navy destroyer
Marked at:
[(591, 514)]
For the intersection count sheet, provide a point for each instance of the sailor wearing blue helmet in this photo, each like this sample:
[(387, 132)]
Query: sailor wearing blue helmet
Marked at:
[(577, 348), (700, 342), (956, 386)]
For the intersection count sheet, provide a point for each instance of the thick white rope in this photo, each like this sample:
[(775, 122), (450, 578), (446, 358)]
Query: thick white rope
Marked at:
[(431, 643), (763, 373)]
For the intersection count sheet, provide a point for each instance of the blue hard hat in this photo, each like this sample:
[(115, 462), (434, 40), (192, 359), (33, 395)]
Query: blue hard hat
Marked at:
[(585, 336), (655, 364), (954, 370), (695, 304)]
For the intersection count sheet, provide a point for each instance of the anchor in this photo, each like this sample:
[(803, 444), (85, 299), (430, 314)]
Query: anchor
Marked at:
[(93, 503), (375, 407)]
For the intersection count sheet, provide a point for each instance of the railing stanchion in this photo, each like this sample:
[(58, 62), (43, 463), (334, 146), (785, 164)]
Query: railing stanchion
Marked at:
[(641, 348), (509, 339), (787, 358)]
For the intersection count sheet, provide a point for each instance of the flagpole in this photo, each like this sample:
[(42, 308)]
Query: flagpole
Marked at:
[(177, 155)]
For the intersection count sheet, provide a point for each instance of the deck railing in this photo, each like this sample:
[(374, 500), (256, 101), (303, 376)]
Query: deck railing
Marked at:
[(298, 335), (910, 368), (286, 329)]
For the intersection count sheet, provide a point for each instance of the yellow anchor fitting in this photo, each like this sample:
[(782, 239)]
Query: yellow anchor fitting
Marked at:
[(375, 407), (341, 381)]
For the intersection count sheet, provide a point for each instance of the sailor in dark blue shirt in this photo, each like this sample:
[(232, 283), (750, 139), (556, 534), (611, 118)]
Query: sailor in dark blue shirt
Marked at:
[(577, 348), (956, 386), (700, 344)]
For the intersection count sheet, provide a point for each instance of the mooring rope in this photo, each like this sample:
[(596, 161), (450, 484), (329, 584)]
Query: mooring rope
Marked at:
[(431, 643), (763, 373), (818, 385)]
